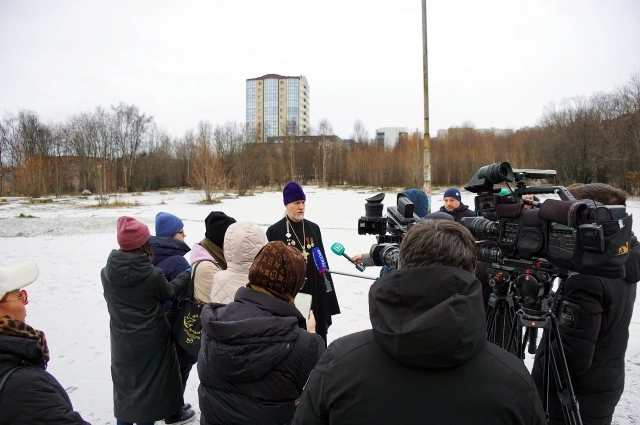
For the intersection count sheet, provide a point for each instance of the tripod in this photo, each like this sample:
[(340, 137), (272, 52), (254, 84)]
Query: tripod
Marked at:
[(538, 315), (500, 311)]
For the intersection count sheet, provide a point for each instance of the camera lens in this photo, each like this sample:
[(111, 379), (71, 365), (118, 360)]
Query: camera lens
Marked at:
[(481, 228), (489, 254)]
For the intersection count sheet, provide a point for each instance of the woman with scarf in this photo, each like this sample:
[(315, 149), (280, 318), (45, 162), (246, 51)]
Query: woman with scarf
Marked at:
[(28, 393)]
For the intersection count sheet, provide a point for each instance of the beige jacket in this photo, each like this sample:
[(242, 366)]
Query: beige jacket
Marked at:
[(242, 241), (205, 272)]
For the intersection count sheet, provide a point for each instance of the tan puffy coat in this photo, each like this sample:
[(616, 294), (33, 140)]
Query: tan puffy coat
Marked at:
[(242, 241)]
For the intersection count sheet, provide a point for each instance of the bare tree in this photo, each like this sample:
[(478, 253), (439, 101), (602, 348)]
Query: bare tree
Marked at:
[(129, 128), (324, 129), (360, 133), (206, 171)]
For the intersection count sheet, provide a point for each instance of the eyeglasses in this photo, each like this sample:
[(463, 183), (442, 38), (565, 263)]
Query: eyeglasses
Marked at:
[(23, 296)]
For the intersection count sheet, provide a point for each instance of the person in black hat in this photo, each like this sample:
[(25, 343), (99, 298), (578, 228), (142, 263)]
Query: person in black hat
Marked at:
[(304, 235), (209, 252), (453, 205)]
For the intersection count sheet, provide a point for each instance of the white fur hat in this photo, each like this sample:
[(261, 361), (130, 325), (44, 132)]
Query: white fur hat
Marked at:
[(17, 277)]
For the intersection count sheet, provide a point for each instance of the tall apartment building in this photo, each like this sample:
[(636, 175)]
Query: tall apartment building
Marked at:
[(277, 106)]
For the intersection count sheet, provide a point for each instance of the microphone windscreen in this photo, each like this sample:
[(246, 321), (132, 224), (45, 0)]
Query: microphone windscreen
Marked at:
[(555, 210), (318, 259), (337, 248)]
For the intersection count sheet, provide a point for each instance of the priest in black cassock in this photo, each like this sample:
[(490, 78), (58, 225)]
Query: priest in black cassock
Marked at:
[(304, 235)]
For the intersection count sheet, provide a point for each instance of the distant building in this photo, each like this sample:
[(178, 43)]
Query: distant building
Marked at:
[(496, 131), (387, 137), (455, 131), (305, 139), (277, 106)]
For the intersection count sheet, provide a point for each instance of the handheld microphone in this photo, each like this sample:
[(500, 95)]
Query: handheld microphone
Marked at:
[(338, 249), (321, 266)]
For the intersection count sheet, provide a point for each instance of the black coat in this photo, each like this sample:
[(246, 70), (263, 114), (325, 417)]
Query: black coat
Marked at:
[(254, 361), (31, 395), (144, 364), (460, 212), (594, 316), (324, 304), (168, 254), (426, 360)]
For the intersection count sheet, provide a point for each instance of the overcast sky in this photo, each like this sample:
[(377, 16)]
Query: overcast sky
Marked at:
[(496, 63)]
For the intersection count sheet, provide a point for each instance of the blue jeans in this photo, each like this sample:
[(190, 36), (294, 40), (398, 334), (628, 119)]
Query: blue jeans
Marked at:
[(119, 422)]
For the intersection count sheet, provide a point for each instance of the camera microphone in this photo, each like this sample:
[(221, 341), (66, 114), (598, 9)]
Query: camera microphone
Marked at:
[(338, 249), (321, 266)]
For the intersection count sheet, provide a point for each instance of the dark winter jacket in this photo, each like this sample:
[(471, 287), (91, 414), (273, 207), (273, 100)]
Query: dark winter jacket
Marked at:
[(168, 254), (144, 365), (594, 316), (426, 360), (324, 304), (460, 212), (31, 395), (255, 359)]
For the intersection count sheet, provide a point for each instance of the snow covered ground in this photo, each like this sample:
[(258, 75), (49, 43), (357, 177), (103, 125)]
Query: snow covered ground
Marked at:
[(70, 238)]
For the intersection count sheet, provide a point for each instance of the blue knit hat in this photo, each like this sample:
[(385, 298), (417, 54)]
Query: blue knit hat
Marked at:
[(167, 224), (452, 192), (293, 192)]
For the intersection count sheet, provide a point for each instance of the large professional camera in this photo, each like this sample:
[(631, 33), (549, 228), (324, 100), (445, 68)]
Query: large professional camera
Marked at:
[(388, 230), (528, 248)]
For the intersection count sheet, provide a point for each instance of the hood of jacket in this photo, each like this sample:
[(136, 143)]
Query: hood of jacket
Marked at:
[(165, 247), (127, 269), (15, 350), (419, 199), (199, 253), (242, 241), (247, 338), (428, 317)]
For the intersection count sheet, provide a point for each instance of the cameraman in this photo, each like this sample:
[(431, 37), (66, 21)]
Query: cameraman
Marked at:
[(594, 315), (453, 205), (426, 358), (420, 208)]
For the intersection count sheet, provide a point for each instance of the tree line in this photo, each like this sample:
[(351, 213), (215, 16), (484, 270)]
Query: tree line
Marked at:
[(595, 139), (586, 140)]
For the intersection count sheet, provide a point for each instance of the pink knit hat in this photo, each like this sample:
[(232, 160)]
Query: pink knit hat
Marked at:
[(132, 234)]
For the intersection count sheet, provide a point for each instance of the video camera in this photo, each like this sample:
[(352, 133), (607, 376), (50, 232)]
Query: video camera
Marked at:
[(530, 247), (389, 230)]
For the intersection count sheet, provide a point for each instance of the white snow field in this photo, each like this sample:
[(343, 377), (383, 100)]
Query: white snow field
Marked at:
[(70, 238)]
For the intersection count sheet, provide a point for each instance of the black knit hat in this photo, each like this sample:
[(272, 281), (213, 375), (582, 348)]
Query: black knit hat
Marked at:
[(216, 225)]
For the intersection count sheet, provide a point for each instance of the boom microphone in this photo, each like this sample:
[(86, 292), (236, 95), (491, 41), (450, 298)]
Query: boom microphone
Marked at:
[(338, 249), (321, 266)]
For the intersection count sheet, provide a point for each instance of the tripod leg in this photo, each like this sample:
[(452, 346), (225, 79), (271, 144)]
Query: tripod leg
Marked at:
[(491, 323), (515, 330), (567, 397), (508, 324), (545, 371)]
